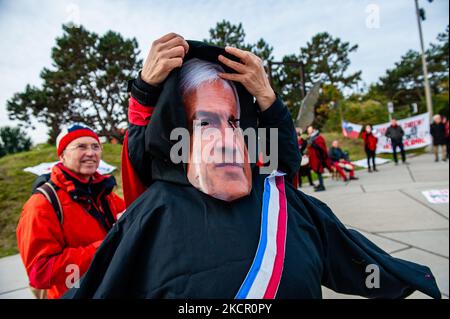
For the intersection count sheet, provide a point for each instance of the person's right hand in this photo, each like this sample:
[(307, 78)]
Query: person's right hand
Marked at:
[(166, 54)]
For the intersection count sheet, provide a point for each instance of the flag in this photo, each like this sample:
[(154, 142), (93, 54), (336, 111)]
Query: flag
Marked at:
[(351, 130)]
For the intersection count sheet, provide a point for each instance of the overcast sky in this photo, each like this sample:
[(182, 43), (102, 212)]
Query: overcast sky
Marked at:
[(384, 29)]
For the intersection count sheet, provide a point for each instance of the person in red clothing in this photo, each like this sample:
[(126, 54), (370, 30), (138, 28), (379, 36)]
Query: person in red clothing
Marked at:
[(370, 146), (56, 250), (318, 155), (166, 54)]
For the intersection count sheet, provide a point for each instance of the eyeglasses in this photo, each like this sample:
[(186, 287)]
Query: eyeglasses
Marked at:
[(84, 147)]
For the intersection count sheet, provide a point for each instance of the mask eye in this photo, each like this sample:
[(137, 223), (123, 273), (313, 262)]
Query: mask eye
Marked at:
[(201, 123)]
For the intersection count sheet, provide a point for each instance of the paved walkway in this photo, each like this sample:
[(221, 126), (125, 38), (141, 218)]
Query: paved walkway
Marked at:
[(387, 207)]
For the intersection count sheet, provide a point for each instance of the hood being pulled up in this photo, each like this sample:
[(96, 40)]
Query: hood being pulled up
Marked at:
[(170, 114)]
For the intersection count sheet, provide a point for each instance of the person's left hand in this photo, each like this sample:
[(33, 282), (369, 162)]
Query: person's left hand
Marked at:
[(251, 74)]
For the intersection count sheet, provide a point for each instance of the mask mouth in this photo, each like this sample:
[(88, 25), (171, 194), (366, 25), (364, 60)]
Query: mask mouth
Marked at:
[(238, 165)]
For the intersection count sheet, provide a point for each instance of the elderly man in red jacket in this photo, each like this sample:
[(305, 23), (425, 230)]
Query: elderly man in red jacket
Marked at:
[(57, 245)]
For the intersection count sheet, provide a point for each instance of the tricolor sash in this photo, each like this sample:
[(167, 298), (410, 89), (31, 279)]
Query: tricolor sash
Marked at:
[(264, 276)]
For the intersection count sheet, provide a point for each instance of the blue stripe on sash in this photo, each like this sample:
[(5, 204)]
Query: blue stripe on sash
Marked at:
[(248, 282)]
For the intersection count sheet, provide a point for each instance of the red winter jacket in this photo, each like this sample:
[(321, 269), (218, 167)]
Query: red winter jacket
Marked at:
[(370, 141), (139, 116), (318, 155), (50, 250)]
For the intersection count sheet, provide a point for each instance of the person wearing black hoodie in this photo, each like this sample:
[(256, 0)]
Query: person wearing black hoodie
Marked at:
[(395, 134), (437, 131), (178, 240)]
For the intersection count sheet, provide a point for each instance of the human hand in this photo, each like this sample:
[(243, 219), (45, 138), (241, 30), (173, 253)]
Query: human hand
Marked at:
[(166, 54), (251, 74)]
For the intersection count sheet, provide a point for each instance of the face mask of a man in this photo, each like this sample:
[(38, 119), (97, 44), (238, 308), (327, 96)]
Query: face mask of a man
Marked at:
[(218, 160)]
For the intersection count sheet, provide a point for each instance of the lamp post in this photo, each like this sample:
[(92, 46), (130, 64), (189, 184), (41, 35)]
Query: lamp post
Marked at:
[(390, 107), (424, 64)]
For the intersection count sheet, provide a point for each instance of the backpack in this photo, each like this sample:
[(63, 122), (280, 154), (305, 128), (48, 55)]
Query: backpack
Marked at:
[(46, 187)]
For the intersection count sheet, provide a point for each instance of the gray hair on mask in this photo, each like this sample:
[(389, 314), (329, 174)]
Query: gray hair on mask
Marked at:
[(195, 72)]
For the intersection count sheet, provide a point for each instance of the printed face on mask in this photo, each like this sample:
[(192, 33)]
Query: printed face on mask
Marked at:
[(218, 160)]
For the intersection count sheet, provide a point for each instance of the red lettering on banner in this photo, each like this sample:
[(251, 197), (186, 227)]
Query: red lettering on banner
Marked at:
[(412, 123), (414, 141)]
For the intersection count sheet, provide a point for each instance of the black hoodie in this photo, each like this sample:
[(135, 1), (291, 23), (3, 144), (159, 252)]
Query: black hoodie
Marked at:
[(177, 242)]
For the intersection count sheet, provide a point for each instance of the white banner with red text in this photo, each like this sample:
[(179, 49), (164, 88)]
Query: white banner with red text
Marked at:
[(416, 128)]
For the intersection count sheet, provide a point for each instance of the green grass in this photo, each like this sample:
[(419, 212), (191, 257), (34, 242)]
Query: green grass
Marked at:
[(354, 147), (15, 186)]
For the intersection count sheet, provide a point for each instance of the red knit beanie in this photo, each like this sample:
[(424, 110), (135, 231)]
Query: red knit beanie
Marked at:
[(69, 134)]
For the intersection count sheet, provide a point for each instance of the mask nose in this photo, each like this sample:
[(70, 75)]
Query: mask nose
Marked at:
[(231, 146)]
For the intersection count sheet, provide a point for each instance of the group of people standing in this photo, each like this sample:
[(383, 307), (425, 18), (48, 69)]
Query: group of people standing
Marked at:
[(316, 157), (439, 131)]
